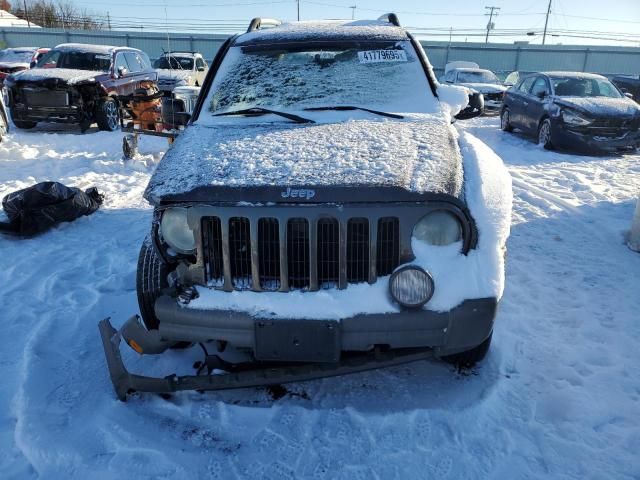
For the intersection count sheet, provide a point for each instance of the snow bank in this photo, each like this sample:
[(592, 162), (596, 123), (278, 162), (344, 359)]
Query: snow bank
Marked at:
[(457, 277), (69, 75)]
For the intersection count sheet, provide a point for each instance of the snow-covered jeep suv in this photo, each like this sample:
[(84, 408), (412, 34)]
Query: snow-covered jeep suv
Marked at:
[(319, 212)]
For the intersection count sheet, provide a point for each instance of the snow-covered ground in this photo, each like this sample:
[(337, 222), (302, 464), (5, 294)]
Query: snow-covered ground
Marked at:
[(558, 396)]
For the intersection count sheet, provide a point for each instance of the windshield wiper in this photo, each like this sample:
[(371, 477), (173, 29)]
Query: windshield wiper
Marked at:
[(264, 111), (342, 108)]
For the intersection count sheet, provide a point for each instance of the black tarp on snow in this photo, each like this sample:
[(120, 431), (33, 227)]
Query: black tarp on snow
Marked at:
[(37, 208)]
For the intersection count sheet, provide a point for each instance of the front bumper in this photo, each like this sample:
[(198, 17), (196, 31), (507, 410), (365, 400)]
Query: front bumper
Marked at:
[(459, 329), (67, 114), (412, 336), (589, 141)]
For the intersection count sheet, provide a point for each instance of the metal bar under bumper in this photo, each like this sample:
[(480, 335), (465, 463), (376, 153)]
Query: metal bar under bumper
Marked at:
[(125, 382)]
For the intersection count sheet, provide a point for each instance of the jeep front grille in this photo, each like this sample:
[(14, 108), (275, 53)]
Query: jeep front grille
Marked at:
[(298, 253)]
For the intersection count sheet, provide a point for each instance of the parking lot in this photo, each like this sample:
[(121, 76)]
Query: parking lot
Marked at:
[(557, 397)]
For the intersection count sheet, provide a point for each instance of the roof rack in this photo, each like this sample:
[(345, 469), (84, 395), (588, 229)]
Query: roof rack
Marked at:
[(391, 18), (257, 23)]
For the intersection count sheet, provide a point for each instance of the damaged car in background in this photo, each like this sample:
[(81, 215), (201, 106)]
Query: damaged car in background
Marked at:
[(14, 60), (470, 75), (318, 216), (580, 111), (180, 69), (77, 83)]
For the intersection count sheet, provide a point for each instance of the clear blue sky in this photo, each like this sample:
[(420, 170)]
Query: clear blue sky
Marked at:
[(616, 18)]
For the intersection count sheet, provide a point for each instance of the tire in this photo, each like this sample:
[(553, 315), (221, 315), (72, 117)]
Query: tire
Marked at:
[(469, 358), (24, 124), (107, 115), (129, 147), (151, 278), (544, 134), (4, 126), (505, 121)]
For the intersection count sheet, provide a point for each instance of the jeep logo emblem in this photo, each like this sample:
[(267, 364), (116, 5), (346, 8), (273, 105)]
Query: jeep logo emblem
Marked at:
[(305, 193)]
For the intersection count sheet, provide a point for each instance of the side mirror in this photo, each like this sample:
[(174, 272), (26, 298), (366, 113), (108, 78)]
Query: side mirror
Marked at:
[(541, 94), (122, 71), (33, 64), (628, 95), (474, 109)]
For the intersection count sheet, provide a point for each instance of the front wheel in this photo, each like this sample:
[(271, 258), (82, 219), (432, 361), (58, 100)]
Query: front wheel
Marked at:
[(151, 278), (107, 116), (544, 134), (4, 126), (469, 358), (505, 121)]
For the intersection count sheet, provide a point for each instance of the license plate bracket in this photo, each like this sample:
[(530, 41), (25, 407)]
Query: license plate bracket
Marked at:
[(285, 340)]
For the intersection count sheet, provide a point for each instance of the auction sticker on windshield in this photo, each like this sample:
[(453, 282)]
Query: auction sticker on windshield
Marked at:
[(376, 56)]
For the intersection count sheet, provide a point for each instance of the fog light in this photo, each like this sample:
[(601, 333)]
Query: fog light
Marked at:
[(411, 286)]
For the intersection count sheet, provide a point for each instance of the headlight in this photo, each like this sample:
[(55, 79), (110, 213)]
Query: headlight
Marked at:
[(438, 228), (574, 118), (175, 230), (411, 286)]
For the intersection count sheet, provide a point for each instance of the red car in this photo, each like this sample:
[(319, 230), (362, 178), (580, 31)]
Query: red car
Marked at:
[(77, 83), (14, 60)]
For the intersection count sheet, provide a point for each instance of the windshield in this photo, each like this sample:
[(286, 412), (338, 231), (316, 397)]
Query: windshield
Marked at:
[(481, 76), (174, 63), (16, 56), (584, 87), (98, 62), (383, 76)]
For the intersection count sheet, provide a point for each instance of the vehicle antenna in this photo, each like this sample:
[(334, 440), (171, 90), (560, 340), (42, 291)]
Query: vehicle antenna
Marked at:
[(166, 24)]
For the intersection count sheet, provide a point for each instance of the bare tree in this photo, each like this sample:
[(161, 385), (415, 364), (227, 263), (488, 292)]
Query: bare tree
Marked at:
[(58, 14)]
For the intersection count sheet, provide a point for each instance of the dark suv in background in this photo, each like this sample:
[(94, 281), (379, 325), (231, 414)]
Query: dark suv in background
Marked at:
[(77, 83)]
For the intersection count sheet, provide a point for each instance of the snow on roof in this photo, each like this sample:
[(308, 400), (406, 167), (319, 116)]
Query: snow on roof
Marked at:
[(182, 54), (9, 20), (86, 47), (419, 156), (326, 30), (573, 74)]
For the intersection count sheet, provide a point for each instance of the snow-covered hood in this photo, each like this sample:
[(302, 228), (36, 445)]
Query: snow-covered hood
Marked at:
[(166, 74), (67, 75), (486, 87), (14, 65), (414, 156), (601, 106)]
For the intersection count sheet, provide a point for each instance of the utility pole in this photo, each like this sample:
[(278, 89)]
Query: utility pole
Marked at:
[(109, 21), (546, 21), (26, 13), (298, 2), (353, 12), (490, 24)]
